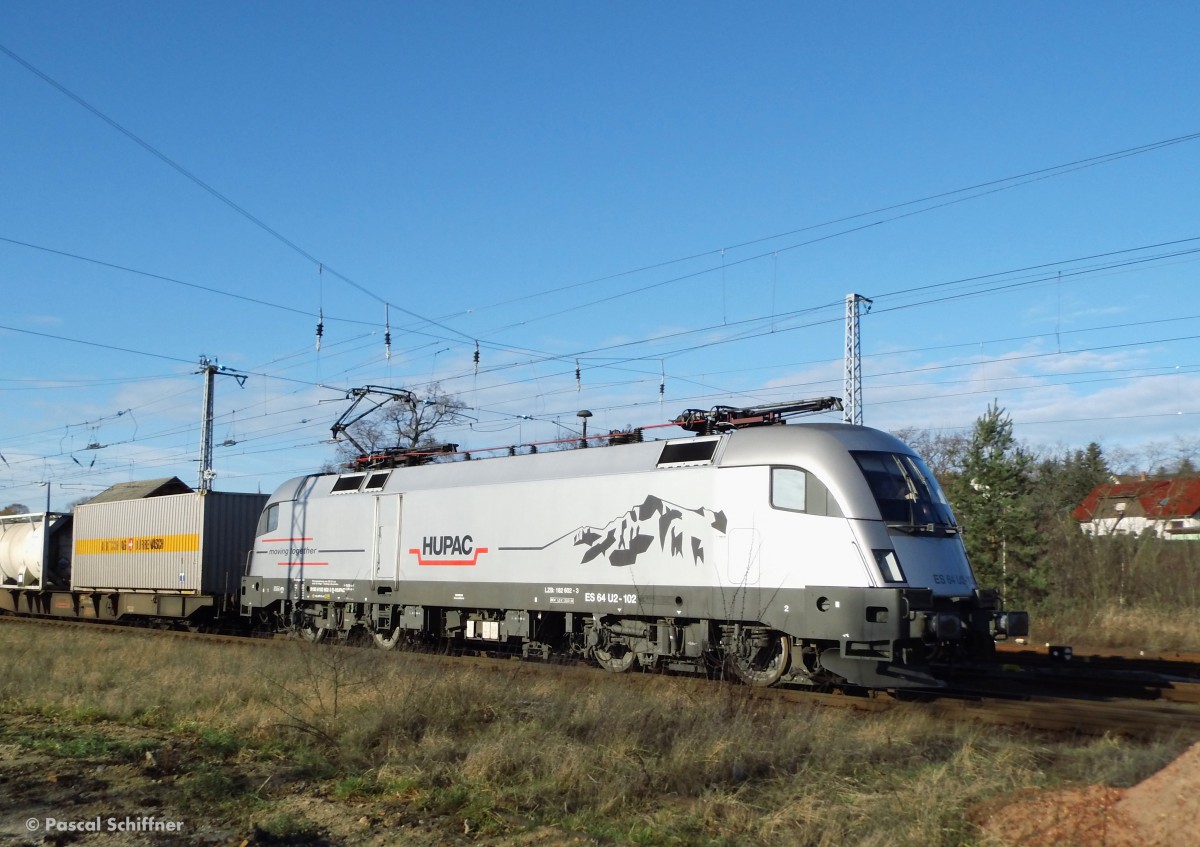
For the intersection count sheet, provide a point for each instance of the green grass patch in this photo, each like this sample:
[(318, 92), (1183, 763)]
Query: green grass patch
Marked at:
[(290, 827), (221, 742), (73, 744), (208, 783)]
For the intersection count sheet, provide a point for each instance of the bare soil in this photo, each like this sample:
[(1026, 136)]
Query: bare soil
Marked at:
[(1162, 810)]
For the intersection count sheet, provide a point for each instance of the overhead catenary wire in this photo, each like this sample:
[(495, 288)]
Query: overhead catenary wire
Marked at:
[(1040, 173), (750, 332), (656, 354), (210, 189), (568, 355), (680, 350), (948, 366), (985, 187)]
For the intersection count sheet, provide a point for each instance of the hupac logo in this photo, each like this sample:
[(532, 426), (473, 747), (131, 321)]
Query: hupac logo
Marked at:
[(448, 550), (446, 545)]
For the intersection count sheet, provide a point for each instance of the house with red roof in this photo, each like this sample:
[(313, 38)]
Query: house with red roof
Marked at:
[(1169, 508)]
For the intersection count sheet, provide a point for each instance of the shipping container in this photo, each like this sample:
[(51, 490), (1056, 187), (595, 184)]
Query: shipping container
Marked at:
[(186, 543), (35, 550)]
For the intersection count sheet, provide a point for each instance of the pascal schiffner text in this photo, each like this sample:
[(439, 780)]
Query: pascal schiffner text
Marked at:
[(101, 824)]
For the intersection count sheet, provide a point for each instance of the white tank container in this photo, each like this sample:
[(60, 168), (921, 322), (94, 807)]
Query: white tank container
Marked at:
[(23, 547)]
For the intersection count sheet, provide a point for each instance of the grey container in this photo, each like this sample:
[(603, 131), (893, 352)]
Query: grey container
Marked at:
[(189, 543)]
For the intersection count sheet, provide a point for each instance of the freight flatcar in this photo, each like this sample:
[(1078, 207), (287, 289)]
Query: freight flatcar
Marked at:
[(804, 553)]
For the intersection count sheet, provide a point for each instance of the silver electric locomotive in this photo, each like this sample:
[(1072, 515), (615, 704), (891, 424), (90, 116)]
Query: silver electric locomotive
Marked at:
[(802, 553)]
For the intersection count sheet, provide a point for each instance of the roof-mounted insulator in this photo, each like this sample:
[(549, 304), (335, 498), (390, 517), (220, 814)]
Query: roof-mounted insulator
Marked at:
[(626, 436), (387, 334), (320, 303)]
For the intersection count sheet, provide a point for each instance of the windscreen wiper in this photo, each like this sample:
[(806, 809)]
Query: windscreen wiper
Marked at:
[(918, 528)]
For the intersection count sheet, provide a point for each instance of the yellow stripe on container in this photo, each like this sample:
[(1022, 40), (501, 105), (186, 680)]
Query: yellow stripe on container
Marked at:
[(184, 543)]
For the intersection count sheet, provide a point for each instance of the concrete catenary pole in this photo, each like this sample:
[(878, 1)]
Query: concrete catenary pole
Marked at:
[(210, 369)]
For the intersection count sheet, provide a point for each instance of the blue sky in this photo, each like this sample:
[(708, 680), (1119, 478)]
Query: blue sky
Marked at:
[(678, 189)]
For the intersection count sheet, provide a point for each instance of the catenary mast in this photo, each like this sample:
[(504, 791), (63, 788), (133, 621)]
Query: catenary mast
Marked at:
[(852, 385)]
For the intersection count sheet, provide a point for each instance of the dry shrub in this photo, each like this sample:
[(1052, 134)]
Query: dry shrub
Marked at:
[(1112, 625), (1133, 591)]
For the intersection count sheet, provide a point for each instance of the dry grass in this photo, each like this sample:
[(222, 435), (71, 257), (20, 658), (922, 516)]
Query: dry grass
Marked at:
[(1150, 628), (661, 761)]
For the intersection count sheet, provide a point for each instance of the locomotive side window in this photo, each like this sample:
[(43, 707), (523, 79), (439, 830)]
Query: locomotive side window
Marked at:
[(787, 489), (268, 521), (798, 490), (376, 481), (698, 451), (347, 483)]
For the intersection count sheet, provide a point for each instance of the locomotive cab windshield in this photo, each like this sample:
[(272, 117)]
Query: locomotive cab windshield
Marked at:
[(909, 497)]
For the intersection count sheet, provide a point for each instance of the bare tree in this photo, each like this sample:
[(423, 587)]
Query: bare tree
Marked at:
[(943, 452), (1155, 455), (15, 509), (1187, 451), (1123, 461), (79, 501)]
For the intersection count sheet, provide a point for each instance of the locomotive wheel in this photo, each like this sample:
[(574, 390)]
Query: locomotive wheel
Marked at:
[(762, 667), (388, 640), (616, 659)]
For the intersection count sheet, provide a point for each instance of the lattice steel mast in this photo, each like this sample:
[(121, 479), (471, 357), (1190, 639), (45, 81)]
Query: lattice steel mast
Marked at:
[(852, 385)]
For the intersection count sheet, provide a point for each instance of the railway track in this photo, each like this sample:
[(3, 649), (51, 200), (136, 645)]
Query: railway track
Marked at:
[(134, 630), (1086, 674), (1172, 663), (1093, 698)]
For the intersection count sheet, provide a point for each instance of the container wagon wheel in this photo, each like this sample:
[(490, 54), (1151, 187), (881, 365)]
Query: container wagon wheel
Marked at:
[(762, 666), (388, 640), (616, 658), (311, 633)]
